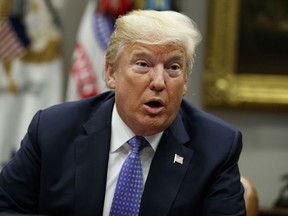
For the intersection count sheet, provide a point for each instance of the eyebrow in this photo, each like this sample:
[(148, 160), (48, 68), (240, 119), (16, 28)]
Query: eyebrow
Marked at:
[(177, 57), (135, 54), (140, 53), (146, 53)]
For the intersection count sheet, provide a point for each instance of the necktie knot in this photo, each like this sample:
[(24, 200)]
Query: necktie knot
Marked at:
[(137, 143)]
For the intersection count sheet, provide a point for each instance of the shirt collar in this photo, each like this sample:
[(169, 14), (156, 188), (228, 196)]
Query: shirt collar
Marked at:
[(121, 133)]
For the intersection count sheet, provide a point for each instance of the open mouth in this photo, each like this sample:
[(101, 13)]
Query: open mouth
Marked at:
[(154, 104), (154, 107)]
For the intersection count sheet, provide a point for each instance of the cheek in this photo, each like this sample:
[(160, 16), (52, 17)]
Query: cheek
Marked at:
[(126, 90), (123, 84), (134, 84), (178, 87)]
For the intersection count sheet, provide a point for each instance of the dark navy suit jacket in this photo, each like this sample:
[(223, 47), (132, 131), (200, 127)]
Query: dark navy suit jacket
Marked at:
[(61, 166)]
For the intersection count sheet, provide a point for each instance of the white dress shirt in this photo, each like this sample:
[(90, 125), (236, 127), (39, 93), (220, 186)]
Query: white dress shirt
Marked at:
[(119, 150)]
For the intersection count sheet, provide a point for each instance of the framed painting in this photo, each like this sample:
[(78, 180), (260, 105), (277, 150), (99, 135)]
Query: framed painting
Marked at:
[(247, 54)]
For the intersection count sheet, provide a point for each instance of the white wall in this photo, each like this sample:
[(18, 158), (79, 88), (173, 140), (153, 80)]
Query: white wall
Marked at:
[(265, 154)]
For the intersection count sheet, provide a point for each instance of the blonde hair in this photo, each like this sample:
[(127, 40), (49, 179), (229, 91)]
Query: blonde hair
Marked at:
[(154, 27)]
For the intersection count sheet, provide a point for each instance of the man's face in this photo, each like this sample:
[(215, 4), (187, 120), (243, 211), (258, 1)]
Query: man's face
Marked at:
[(149, 83)]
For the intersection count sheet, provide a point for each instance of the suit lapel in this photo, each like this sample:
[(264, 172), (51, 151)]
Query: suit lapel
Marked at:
[(165, 176), (92, 152)]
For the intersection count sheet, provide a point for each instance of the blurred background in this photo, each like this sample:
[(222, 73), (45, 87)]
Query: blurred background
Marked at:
[(52, 51)]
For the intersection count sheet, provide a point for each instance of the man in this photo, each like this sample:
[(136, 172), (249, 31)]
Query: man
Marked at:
[(71, 157)]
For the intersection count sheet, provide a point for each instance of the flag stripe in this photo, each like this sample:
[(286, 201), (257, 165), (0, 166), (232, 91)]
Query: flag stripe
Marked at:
[(83, 73), (10, 45)]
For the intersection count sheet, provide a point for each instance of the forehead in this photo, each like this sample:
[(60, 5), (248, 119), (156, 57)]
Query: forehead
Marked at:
[(170, 50)]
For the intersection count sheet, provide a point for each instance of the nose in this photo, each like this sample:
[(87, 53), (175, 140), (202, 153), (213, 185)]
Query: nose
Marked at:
[(158, 82)]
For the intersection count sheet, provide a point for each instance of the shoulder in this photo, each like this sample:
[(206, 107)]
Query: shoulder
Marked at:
[(87, 104), (193, 115), (210, 136), (208, 131), (82, 108), (73, 113)]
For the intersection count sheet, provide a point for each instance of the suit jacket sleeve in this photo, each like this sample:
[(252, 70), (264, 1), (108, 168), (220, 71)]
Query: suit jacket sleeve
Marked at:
[(225, 194), (19, 181)]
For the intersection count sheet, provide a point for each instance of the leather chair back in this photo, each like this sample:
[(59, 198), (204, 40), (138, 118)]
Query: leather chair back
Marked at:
[(250, 196)]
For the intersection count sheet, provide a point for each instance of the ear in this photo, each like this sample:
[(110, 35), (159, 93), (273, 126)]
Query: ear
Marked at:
[(185, 87), (110, 76)]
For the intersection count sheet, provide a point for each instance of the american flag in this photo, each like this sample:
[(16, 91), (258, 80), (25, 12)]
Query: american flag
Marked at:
[(83, 72), (12, 39), (178, 159)]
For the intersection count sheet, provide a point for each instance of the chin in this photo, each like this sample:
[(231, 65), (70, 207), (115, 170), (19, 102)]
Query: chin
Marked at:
[(152, 129), (149, 125)]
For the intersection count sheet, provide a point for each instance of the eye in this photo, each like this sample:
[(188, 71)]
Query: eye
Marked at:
[(141, 63), (141, 66), (174, 69)]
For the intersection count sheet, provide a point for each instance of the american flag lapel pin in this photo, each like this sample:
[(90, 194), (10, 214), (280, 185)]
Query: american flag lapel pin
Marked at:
[(178, 159)]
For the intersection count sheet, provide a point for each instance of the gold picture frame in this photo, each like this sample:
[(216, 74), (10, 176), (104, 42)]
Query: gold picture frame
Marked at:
[(223, 85)]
